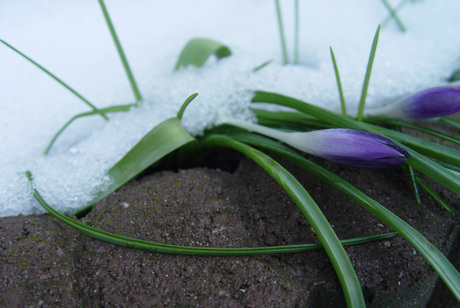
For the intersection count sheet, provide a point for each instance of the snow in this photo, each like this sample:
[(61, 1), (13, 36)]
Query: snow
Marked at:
[(70, 38)]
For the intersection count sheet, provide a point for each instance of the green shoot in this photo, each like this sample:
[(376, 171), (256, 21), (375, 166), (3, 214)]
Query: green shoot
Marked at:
[(189, 99), (296, 32), (55, 78), (394, 15), (136, 92), (120, 108), (197, 51), (261, 66), (339, 84), (368, 75), (281, 30), (414, 182)]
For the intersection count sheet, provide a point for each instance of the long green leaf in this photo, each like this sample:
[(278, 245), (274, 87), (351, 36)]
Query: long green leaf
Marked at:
[(324, 231), (367, 78), (281, 31), (62, 83), (438, 261), (164, 138), (198, 50), (186, 250)]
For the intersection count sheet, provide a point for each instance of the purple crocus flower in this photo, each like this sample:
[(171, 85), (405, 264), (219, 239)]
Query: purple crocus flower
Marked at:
[(352, 148), (429, 103)]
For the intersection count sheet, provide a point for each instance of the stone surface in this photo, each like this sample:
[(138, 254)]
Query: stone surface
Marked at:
[(44, 263)]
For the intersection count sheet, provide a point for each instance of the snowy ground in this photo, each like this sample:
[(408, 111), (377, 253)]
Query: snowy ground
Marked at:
[(70, 39)]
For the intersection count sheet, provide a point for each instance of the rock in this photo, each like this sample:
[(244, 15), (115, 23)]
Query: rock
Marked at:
[(44, 263)]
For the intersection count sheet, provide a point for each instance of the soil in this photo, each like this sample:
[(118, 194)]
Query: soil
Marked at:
[(44, 263)]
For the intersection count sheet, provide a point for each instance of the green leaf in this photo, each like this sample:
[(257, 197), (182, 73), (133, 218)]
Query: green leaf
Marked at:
[(438, 261), (367, 78), (164, 138), (281, 31), (198, 50), (339, 83), (324, 231), (186, 250)]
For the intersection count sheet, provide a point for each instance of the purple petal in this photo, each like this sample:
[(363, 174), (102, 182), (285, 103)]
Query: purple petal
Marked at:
[(432, 103), (358, 148)]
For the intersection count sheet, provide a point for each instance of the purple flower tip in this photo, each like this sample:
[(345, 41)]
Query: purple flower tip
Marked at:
[(432, 103), (358, 149)]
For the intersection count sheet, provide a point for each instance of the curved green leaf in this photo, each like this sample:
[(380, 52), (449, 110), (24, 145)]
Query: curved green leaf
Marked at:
[(164, 138), (186, 250), (198, 50), (337, 255)]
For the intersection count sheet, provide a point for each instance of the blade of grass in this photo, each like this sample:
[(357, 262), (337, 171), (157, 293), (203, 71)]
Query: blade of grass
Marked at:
[(198, 50), (111, 109), (62, 83), (324, 231), (414, 182), (394, 15), (296, 32), (124, 61), (189, 99), (339, 83), (438, 261), (362, 101), (187, 250), (434, 195), (281, 31), (450, 121), (419, 128), (261, 66)]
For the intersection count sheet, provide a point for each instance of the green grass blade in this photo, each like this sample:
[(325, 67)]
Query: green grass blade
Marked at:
[(450, 121), (413, 179), (164, 138), (324, 231), (418, 161), (187, 250), (288, 120), (438, 261), (281, 30), (189, 99), (261, 66), (435, 195), (198, 50), (367, 78), (124, 61), (111, 109), (415, 127), (394, 15), (62, 83), (296, 32), (339, 84)]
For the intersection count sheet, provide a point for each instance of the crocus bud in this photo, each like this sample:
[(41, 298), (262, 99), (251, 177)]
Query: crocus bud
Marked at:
[(429, 103), (352, 148)]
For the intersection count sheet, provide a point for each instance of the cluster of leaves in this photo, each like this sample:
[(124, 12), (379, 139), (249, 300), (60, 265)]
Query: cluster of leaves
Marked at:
[(438, 162)]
